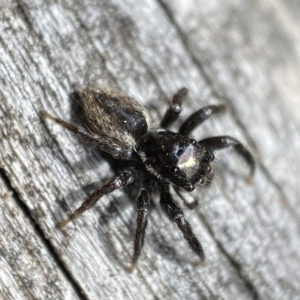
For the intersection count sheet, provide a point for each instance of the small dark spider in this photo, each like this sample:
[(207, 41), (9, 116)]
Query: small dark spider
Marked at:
[(161, 158)]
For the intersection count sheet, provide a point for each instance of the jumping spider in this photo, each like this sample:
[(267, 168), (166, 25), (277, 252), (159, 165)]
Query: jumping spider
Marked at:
[(120, 126)]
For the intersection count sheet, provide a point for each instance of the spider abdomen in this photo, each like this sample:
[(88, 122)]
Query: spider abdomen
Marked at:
[(118, 118)]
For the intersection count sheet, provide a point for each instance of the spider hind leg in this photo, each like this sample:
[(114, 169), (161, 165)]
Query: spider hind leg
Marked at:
[(116, 150), (118, 182)]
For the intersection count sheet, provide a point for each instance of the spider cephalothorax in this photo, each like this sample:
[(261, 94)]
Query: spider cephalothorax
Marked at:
[(174, 158), (161, 158)]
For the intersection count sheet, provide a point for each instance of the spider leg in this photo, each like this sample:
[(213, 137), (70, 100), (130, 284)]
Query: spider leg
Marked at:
[(188, 201), (115, 150), (174, 110), (118, 182), (198, 117), (175, 214), (143, 208), (221, 142)]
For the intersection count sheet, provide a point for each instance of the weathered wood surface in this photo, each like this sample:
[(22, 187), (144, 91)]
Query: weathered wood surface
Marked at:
[(241, 53)]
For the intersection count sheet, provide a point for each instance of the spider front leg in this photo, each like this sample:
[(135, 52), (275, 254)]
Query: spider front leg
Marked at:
[(118, 182), (199, 117), (175, 214), (174, 110), (188, 200), (221, 142), (143, 208), (107, 146)]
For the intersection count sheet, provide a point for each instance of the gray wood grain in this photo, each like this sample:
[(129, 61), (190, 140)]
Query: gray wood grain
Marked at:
[(244, 54), (28, 270)]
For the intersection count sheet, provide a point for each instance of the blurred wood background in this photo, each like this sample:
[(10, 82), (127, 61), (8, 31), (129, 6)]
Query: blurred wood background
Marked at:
[(245, 54)]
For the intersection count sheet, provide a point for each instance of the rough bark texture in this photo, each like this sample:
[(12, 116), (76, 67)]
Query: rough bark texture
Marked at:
[(245, 54)]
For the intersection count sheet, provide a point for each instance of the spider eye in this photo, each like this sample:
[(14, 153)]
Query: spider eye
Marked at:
[(179, 152), (175, 169), (189, 187)]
